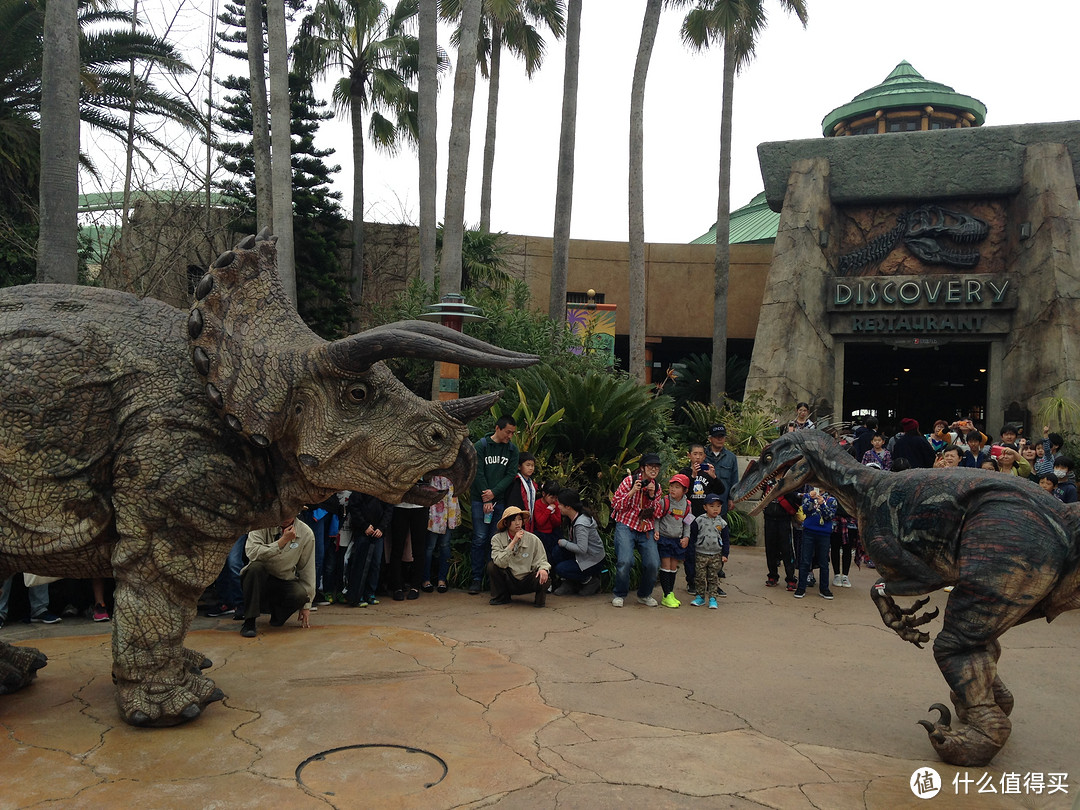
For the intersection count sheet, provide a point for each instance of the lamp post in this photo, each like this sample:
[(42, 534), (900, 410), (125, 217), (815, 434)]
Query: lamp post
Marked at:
[(451, 312)]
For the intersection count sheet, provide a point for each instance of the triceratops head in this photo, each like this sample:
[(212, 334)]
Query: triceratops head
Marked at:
[(333, 412)]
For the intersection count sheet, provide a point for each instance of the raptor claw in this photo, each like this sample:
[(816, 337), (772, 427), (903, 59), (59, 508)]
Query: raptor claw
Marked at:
[(945, 718)]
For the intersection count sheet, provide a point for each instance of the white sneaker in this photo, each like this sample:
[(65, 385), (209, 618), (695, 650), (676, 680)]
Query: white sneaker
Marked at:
[(837, 581), (617, 601), (845, 582), (648, 601)]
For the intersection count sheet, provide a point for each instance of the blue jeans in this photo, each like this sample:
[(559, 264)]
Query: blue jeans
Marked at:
[(228, 581), (39, 598), (814, 543), (318, 527), (481, 537), (443, 543), (626, 540), (569, 569)]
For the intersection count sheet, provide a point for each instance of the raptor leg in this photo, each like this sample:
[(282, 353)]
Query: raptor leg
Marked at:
[(18, 666), (903, 621), (1002, 696)]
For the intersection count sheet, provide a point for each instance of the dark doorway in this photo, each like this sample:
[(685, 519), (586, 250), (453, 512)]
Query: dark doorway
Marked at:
[(943, 381)]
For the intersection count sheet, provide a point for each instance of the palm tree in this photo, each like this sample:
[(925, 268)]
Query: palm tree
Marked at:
[(736, 24), (513, 24), (369, 41), (637, 189), (426, 91), (107, 89), (58, 259), (457, 161), (564, 188)]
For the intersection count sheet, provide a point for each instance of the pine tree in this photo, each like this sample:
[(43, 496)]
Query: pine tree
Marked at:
[(321, 281)]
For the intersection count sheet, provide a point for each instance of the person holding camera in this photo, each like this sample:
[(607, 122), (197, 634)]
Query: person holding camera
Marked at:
[(636, 505)]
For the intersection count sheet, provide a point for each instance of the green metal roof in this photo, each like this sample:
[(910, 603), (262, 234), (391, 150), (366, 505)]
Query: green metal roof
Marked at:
[(114, 200), (906, 88), (753, 224)]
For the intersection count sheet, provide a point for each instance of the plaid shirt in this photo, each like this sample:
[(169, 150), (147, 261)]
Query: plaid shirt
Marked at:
[(626, 506)]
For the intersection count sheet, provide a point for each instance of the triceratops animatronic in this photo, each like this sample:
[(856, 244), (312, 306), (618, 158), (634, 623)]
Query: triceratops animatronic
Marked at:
[(1011, 551), (138, 442)]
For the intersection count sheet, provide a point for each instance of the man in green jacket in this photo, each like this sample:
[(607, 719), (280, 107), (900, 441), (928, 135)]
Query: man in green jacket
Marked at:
[(496, 466)]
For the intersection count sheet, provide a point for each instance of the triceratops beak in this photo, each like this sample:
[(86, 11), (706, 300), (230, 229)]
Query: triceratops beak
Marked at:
[(429, 341)]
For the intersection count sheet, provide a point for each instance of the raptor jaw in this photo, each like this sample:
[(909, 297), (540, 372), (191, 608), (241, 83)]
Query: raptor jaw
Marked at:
[(787, 477)]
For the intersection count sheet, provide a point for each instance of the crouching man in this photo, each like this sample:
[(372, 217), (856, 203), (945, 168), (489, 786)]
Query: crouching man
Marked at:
[(518, 562), (279, 578)]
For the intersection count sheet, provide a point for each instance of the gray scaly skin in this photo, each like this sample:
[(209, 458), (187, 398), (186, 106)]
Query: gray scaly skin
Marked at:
[(138, 442), (1010, 550)]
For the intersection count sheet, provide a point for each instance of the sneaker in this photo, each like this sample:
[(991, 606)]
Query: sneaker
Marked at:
[(213, 613), (474, 587), (248, 630), (69, 611), (800, 594), (722, 575), (102, 615), (791, 586), (712, 603), (362, 604), (46, 618), (845, 582), (590, 587), (669, 601), (947, 589), (837, 581), (371, 600), (771, 583), (699, 600), (647, 601), (565, 589), (826, 595), (617, 601), (720, 592), (320, 600)]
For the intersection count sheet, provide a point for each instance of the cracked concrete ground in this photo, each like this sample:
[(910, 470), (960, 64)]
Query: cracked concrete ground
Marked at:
[(449, 702)]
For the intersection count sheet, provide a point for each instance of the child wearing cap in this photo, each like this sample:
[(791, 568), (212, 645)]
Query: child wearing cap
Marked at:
[(711, 551), (672, 535)]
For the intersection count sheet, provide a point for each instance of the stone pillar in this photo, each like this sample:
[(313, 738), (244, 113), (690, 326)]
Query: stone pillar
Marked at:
[(793, 351), (1047, 267)]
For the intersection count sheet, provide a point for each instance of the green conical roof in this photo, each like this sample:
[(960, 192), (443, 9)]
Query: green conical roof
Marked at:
[(904, 88), (753, 224)]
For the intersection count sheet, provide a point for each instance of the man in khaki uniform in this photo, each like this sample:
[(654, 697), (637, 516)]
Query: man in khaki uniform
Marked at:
[(279, 578)]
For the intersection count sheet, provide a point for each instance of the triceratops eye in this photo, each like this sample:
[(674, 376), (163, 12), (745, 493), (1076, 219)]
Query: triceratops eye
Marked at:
[(358, 392)]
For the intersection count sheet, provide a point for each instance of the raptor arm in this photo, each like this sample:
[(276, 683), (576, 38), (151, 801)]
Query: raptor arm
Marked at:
[(903, 621)]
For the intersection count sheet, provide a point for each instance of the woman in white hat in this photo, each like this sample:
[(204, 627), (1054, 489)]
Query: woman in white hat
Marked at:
[(518, 562)]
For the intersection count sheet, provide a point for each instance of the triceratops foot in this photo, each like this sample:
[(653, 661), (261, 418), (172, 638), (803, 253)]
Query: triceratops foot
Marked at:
[(903, 621), (18, 666), (167, 701), (972, 745), (195, 660)]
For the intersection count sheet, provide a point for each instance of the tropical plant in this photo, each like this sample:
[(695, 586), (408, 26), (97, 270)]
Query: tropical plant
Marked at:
[(370, 42), (532, 423), (693, 374), (751, 424), (1060, 412), (742, 529), (736, 25), (483, 258), (515, 25)]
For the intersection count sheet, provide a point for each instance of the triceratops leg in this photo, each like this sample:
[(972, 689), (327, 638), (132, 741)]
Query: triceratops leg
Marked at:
[(18, 666), (158, 680)]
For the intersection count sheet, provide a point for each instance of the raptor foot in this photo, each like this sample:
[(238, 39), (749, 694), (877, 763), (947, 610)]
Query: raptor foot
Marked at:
[(18, 666), (971, 745), (167, 699)]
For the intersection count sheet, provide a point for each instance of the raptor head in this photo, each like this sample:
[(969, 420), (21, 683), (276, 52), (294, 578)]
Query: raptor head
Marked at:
[(937, 235), (783, 466)]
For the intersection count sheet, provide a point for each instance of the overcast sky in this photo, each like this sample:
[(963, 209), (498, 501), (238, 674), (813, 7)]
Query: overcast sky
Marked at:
[(1019, 60)]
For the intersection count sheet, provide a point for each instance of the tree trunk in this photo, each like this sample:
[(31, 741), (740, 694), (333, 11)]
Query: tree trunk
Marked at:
[(427, 91), (564, 189), (722, 259), (124, 251), (58, 257), (457, 164), (489, 135), (356, 265), (637, 190), (281, 144), (260, 130)]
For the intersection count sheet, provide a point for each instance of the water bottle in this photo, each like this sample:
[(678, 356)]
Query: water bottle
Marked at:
[(487, 516)]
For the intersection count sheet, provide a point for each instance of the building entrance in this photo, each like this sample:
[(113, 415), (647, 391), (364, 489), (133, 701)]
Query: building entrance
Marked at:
[(944, 381)]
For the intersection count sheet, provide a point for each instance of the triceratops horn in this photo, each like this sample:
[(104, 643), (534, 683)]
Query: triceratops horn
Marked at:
[(264, 234), (465, 410), (420, 339), (247, 243)]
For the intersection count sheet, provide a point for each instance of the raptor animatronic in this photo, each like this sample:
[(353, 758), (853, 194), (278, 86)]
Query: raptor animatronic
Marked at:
[(139, 441), (1011, 551)]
